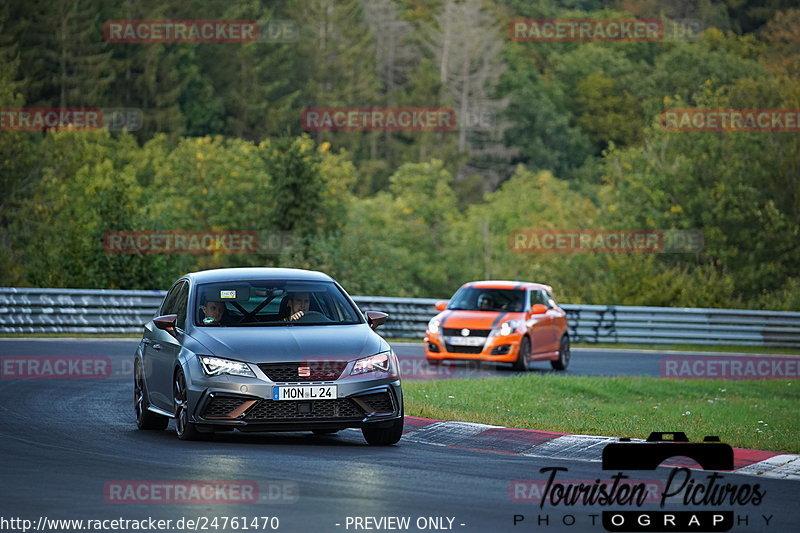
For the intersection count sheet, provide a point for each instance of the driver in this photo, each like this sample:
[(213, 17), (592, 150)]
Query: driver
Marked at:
[(485, 303), (297, 305), (215, 312)]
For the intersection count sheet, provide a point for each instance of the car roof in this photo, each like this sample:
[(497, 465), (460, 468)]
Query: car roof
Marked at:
[(504, 284), (256, 273)]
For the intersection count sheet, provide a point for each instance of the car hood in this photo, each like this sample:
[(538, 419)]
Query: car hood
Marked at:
[(475, 319), (291, 343)]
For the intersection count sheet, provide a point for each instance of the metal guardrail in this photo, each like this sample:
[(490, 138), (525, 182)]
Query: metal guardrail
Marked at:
[(115, 311)]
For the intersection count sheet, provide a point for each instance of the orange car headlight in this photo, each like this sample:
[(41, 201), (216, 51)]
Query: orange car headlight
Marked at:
[(506, 328)]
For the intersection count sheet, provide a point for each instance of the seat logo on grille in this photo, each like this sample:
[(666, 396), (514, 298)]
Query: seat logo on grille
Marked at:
[(465, 332), (303, 371)]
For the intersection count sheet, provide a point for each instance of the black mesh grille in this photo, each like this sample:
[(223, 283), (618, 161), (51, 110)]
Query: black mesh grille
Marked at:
[(450, 332), (503, 349), (220, 406), (463, 349), (343, 408), (380, 402), (319, 371)]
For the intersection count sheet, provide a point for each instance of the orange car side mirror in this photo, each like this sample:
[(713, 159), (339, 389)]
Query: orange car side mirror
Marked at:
[(538, 309), (441, 305)]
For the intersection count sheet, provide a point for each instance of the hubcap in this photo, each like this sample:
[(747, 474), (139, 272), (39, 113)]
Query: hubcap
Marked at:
[(527, 354), (180, 404), (138, 396)]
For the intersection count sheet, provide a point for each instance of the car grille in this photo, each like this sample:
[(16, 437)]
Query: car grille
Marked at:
[(379, 402), (288, 372), (463, 349), (456, 332), (342, 408)]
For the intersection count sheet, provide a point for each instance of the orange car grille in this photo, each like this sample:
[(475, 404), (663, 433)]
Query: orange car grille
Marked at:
[(456, 332)]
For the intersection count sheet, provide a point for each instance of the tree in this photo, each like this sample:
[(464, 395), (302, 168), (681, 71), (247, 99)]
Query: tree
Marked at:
[(466, 43), (85, 190), (607, 113), (395, 56), (67, 62), (544, 127)]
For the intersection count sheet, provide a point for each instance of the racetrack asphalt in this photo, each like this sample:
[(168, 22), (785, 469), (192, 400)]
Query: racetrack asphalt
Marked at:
[(68, 443)]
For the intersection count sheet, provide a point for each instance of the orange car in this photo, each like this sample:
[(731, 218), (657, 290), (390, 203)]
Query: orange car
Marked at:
[(501, 321)]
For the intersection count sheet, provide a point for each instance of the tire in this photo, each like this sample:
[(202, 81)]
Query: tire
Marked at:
[(384, 437), (563, 355), (522, 364), (144, 419), (185, 430)]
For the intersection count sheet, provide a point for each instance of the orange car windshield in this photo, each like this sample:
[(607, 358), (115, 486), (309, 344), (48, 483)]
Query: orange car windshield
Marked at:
[(471, 299)]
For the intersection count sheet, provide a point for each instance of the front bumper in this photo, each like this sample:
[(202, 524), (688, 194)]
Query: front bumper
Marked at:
[(496, 349), (245, 403)]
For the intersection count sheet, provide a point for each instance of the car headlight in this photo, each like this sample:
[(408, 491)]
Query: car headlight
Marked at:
[(433, 325), (214, 366), (506, 328), (382, 362)]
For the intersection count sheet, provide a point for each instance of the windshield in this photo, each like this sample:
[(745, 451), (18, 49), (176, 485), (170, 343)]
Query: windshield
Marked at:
[(272, 303), (488, 300)]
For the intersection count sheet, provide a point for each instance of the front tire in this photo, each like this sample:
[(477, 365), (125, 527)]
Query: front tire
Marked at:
[(185, 430), (384, 436), (522, 364), (145, 419), (563, 355)]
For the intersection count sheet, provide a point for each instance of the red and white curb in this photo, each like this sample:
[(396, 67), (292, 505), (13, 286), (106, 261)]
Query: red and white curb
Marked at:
[(551, 445)]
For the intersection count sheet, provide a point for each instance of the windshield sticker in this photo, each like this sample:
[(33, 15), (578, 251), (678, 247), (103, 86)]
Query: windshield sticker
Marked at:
[(227, 294)]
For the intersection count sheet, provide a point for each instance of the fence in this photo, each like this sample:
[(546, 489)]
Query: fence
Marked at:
[(116, 311)]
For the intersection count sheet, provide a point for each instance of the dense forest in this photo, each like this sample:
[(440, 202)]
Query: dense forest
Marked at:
[(569, 136)]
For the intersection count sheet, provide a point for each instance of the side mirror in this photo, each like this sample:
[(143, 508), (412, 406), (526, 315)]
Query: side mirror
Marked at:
[(441, 305), (538, 309), (376, 318), (166, 322)]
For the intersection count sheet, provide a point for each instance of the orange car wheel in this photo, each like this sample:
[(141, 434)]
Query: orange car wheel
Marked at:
[(563, 355), (523, 355)]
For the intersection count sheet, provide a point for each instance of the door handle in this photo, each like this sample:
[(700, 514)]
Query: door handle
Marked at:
[(147, 341), (156, 346)]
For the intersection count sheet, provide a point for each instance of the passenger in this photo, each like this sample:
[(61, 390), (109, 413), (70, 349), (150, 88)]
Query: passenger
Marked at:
[(296, 305)]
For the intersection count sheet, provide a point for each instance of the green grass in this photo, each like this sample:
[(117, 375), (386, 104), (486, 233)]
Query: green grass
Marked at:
[(772, 350), (748, 414)]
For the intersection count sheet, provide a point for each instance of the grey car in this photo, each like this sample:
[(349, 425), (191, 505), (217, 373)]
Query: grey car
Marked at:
[(266, 349)]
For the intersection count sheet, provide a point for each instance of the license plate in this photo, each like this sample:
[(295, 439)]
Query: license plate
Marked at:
[(304, 392), (465, 341)]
